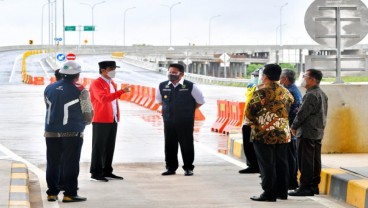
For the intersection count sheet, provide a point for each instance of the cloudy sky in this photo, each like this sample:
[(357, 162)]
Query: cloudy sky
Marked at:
[(241, 22)]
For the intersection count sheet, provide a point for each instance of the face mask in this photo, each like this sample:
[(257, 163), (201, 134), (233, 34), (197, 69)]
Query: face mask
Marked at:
[(173, 77), (304, 83), (111, 74)]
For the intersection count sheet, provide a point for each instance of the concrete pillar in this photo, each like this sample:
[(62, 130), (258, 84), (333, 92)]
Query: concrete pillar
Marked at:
[(245, 70), (200, 66), (212, 66), (205, 69)]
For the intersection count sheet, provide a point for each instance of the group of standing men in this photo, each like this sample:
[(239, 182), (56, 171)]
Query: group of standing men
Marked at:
[(285, 132), (69, 108)]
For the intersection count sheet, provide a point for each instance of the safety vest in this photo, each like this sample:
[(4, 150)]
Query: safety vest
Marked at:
[(177, 103)]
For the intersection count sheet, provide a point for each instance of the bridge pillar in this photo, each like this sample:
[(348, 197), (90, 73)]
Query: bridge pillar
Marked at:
[(300, 68), (205, 69), (212, 67), (200, 68)]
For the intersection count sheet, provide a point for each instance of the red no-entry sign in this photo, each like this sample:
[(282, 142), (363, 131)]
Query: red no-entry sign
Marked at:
[(70, 56)]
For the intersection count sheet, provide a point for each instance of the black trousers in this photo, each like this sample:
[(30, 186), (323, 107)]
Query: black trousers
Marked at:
[(248, 148), (293, 164), (274, 168), (179, 132), (66, 150), (103, 147), (309, 161)]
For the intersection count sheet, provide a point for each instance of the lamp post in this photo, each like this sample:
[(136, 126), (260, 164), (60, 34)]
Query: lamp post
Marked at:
[(125, 11), (170, 8), (209, 28), (277, 31), (92, 8), (43, 7), (282, 6)]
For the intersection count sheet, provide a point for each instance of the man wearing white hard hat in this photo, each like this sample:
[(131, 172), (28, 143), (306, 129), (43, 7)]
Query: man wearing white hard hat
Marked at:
[(68, 111)]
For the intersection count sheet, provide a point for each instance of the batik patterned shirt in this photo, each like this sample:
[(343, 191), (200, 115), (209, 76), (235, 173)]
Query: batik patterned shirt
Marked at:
[(267, 112)]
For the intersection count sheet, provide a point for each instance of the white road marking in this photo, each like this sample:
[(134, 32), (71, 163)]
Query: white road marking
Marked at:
[(16, 60)]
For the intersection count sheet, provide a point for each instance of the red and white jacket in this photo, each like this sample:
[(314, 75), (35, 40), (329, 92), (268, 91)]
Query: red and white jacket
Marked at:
[(101, 99)]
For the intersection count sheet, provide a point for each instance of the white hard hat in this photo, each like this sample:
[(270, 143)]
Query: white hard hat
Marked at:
[(70, 68)]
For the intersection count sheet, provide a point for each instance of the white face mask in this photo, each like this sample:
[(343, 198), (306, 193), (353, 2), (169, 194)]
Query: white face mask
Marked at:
[(111, 74), (304, 83)]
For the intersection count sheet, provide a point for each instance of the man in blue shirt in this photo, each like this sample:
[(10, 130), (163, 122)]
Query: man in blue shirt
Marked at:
[(287, 79)]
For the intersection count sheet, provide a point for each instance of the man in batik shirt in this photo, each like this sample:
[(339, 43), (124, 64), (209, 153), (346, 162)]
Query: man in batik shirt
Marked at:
[(267, 112)]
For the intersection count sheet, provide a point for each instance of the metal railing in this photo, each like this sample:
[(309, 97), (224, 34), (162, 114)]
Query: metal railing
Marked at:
[(197, 78)]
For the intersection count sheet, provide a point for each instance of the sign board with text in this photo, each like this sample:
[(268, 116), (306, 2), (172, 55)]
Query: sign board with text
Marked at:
[(89, 28), (69, 28)]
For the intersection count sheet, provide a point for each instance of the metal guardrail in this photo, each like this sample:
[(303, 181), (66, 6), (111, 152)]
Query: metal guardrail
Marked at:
[(197, 78)]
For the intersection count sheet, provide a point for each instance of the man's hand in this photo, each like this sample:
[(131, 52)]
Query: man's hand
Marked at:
[(127, 89)]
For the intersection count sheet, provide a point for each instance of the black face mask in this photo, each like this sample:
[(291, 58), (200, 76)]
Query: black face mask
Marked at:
[(173, 77)]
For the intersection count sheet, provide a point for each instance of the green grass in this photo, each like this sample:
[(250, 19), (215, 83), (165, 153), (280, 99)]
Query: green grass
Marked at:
[(347, 79)]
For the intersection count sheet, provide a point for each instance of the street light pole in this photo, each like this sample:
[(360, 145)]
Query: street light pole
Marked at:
[(64, 41), (43, 7), (92, 8), (170, 8), (125, 11), (281, 22), (209, 28)]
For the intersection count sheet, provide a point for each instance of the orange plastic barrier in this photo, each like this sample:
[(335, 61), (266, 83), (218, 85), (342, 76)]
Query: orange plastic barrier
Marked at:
[(52, 79), (137, 94), (222, 116), (199, 115), (151, 98), (236, 115), (154, 106), (145, 95), (140, 94), (38, 80)]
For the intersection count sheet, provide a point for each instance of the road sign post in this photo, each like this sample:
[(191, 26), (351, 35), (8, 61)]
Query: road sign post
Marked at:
[(226, 62)]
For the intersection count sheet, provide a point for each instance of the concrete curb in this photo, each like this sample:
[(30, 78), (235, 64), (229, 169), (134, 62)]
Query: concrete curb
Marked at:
[(337, 183), (19, 182)]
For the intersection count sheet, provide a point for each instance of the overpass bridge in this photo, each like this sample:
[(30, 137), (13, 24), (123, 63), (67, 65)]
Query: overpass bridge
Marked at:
[(205, 60)]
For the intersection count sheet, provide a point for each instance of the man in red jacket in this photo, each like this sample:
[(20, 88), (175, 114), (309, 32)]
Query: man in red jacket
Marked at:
[(104, 98)]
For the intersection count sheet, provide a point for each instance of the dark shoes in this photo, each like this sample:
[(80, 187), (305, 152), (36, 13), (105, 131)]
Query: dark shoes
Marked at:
[(263, 198), (99, 178), (302, 192), (74, 199), (168, 172), (52, 198), (188, 173), (282, 197), (248, 170), (113, 177)]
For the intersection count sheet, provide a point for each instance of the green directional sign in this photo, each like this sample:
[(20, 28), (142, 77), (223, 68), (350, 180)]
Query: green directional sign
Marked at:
[(89, 28), (69, 28)]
